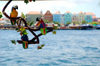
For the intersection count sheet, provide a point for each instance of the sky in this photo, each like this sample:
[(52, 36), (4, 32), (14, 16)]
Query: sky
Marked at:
[(74, 6)]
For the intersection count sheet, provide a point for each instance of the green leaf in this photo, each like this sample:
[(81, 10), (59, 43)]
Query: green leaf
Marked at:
[(24, 32), (23, 15), (39, 47), (31, 23), (26, 1), (54, 32), (42, 45), (13, 41), (33, 0), (0, 15), (55, 27)]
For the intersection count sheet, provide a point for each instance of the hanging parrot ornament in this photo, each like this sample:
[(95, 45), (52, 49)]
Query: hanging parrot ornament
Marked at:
[(43, 28), (14, 14), (24, 37)]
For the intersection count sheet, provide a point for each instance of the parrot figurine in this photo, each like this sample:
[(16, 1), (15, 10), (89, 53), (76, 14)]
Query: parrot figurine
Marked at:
[(24, 37), (14, 14), (42, 26)]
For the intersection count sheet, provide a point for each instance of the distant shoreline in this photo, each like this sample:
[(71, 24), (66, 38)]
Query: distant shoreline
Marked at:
[(57, 29)]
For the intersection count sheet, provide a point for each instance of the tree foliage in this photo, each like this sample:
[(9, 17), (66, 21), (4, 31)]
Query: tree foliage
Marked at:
[(95, 23), (0, 15), (84, 22), (30, 23), (76, 22), (23, 15), (46, 21), (27, 1), (68, 23), (57, 23)]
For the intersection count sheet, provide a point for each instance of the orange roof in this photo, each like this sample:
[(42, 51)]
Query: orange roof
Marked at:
[(80, 12), (58, 12), (94, 17), (89, 13), (67, 11), (34, 12), (98, 20), (48, 13)]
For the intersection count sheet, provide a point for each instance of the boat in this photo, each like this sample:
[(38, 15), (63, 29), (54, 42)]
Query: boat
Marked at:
[(97, 26), (86, 27)]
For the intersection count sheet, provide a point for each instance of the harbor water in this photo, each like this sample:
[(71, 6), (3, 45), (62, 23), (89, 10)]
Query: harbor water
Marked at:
[(65, 48)]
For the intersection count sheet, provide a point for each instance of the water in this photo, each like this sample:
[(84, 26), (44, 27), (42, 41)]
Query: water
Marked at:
[(67, 47)]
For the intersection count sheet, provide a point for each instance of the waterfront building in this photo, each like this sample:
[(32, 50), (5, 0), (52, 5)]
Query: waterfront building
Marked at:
[(98, 20), (48, 16), (33, 15), (62, 20), (67, 17), (95, 19), (89, 16), (4, 21), (81, 16), (57, 17), (75, 18)]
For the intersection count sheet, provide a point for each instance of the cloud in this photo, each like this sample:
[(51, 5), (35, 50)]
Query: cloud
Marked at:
[(78, 1), (45, 5), (53, 6)]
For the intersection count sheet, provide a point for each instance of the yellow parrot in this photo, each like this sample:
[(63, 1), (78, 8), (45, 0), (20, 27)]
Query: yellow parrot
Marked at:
[(14, 14)]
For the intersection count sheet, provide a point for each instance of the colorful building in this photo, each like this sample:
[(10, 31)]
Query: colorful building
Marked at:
[(48, 16), (57, 17), (62, 20), (81, 16), (75, 18), (33, 15), (95, 19), (98, 19), (67, 17), (88, 18)]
